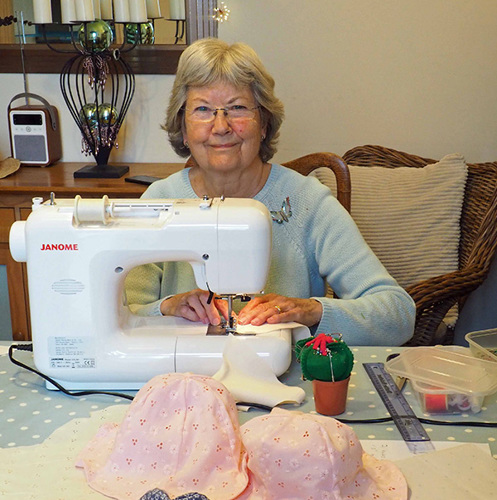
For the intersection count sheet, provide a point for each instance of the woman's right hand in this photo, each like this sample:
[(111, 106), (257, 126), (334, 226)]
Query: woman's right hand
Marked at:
[(194, 306)]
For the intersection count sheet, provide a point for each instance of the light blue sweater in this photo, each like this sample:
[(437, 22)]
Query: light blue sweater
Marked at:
[(320, 243)]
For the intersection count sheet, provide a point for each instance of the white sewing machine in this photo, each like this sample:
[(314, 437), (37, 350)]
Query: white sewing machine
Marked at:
[(78, 253)]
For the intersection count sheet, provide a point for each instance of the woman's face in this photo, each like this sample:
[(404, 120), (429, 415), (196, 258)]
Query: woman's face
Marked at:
[(226, 143)]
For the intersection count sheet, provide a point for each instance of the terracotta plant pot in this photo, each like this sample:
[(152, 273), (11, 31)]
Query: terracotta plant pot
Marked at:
[(330, 398)]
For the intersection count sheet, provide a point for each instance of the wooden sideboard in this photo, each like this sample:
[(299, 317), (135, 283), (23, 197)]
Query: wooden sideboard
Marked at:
[(16, 193)]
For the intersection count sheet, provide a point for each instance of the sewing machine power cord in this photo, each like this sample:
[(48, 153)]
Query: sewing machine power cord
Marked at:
[(29, 347)]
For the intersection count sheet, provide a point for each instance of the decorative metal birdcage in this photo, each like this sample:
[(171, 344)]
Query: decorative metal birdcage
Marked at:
[(97, 85), (98, 88)]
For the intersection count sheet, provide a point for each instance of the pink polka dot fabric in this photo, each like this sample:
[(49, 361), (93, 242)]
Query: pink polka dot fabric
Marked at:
[(181, 434), (302, 456)]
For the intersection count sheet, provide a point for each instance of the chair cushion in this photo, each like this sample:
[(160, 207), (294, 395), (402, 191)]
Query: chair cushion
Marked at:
[(409, 216)]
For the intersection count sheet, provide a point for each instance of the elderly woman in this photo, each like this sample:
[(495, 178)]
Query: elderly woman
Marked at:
[(224, 114)]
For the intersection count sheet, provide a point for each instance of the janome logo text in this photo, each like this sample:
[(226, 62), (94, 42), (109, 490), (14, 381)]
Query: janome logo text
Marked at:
[(60, 247)]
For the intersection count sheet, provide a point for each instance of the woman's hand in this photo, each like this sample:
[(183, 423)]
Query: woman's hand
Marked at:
[(274, 308), (194, 307)]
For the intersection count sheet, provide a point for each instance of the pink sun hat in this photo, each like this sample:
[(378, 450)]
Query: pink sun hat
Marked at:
[(180, 434), (302, 456)]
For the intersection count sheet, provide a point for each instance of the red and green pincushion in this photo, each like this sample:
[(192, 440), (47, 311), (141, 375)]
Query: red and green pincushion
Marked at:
[(324, 357)]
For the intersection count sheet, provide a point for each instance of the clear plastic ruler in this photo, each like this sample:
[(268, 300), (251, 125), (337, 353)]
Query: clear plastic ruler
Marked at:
[(402, 414)]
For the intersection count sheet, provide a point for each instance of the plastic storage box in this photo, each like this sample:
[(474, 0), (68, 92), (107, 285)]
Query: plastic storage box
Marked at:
[(483, 344), (438, 400), (446, 379)]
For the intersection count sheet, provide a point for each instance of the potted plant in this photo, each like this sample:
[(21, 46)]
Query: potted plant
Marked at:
[(327, 361)]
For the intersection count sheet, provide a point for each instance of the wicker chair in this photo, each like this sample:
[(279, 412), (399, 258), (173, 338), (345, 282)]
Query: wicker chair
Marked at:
[(306, 164), (478, 240)]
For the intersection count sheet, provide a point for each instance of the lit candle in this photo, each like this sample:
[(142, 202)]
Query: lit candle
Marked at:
[(68, 11), (138, 11), (96, 9), (153, 9), (84, 10), (106, 9), (121, 11), (42, 11), (177, 9)]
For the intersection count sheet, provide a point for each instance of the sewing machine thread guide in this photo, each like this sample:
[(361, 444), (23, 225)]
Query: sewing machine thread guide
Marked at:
[(405, 419)]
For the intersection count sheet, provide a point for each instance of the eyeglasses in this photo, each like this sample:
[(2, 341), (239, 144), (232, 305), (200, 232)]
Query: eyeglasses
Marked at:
[(204, 114)]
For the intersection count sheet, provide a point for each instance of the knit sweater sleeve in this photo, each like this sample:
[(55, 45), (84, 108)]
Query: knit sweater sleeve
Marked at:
[(370, 308), (143, 290)]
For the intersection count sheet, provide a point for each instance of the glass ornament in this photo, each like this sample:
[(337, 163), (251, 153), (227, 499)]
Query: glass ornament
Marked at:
[(107, 114), (88, 115), (146, 30), (96, 36)]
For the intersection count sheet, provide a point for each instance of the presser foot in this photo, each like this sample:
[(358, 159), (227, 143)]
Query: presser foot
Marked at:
[(225, 328), (217, 330), (231, 325)]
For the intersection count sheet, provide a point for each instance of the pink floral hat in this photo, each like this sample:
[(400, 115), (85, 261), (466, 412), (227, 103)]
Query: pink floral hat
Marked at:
[(180, 434), (302, 456)]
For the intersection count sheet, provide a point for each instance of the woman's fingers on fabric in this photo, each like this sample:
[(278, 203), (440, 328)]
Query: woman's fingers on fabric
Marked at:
[(305, 311), (185, 311), (249, 311), (260, 309), (279, 309), (209, 309), (212, 309), (193, 308), (222, 307)]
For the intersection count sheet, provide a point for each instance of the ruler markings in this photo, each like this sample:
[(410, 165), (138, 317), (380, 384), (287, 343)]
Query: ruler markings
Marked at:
[(402, 414)]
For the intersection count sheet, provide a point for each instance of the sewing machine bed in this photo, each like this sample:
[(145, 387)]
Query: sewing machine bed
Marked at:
[(149, 346)]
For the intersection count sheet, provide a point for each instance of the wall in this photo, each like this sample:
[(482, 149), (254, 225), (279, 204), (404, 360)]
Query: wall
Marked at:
[(416, 76)]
